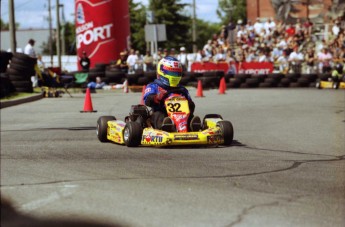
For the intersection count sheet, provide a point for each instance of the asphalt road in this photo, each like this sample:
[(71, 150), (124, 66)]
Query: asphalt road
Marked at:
[(286, 166)]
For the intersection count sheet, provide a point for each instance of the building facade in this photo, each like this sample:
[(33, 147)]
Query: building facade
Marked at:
[(317, 11)]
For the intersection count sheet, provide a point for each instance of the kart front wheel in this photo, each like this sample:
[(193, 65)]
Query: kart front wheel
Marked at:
[(227, 131), (102, 127), (132, 134)]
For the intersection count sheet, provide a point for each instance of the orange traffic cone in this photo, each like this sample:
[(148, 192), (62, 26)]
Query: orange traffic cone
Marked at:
[(142, 95), (199, 92), (222, 86), (88, 103)]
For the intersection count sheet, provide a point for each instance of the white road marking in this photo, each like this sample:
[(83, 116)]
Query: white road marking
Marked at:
[(67, 190)]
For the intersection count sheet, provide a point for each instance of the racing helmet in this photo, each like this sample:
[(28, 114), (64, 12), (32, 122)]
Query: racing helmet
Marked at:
[(169, 71)]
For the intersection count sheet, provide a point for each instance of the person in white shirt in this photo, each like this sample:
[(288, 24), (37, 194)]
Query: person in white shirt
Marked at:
[(269, 24), (258, 26), (295, 59), (131, 61), (208, 48), (325, 59), (335, 28), (182, 57), (29, 48)]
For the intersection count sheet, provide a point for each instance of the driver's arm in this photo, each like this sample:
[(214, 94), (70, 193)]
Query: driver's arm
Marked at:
[(151, 100)]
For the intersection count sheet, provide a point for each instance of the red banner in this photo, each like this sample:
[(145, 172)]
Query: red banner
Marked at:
[(240, 68), (102, 29)]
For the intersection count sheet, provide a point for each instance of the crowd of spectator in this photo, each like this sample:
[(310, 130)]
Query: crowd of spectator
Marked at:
[(133, 61), (292, 47)]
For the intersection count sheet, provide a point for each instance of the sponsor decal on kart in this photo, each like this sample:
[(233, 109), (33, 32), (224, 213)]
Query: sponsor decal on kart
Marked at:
[(116, 137), (214, 139), (152, 138), (186, 137)]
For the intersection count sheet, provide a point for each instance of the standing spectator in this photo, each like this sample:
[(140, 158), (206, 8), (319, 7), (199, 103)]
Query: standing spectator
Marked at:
[(308, 26), (208, 48), (157, 57), (182, 57), (202, 57), (220, 56), (249, 26), (298, 25), (336, 28), (262, 56), (173, 53), (29, 48), (121, 63), (277, 52), (148, 62), (258, 26), (290, 30), (295, 59), (283, 63), (139, 63), (325, 58), (84, 62), (131, 61), (310, 59), (270, 25), (165, 53), (251, 56)]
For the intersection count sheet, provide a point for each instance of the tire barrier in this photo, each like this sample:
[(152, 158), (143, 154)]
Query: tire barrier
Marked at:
[(20, 70), (6, 86), (5, 58)]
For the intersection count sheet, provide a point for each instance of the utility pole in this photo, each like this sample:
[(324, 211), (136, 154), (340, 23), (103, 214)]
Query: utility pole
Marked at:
[(58, 36), (50, 34), (194, 29), (12, 26), (63, 39)]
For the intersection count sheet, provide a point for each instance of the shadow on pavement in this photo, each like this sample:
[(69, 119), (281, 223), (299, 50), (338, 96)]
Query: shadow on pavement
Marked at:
[(12, 218)]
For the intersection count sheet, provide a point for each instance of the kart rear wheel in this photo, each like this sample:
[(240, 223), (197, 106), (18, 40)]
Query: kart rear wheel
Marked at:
[(227, 131), (102, 126), (132, 134)]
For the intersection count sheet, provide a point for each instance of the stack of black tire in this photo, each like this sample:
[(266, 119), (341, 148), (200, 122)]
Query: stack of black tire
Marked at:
[(114, 75), (209, 79), (272, 80), (140, 77), (20, 70), (97, 71), (6, 86)]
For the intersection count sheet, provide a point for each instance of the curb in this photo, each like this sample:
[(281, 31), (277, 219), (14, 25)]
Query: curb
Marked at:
[(4, 104)]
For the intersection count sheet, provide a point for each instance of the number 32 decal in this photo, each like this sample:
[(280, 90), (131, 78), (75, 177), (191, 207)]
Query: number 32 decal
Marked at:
[(174, 107)]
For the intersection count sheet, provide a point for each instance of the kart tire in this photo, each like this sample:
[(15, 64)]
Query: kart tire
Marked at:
[(227, 131), (102, 126), (132, 134)]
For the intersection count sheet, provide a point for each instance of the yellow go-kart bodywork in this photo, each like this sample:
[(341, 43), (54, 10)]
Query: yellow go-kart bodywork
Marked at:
[(215, 132), (330, 84)]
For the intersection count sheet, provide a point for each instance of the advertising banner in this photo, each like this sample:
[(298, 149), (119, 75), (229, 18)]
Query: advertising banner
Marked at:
[(102, 29), (241, 67)]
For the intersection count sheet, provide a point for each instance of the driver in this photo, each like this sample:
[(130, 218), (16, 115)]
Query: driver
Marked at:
[(169, 74)]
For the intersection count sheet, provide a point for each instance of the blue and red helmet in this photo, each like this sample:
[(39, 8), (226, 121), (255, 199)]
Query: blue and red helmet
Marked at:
[(169, 71)]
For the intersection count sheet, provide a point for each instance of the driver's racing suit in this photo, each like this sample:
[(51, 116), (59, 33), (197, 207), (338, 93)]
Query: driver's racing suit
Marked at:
[(154, 93)]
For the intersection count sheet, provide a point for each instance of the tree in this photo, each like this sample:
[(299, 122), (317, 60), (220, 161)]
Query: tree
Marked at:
[(137, 12), (232, 10), (205, 30), (178, 25), (4, 26)]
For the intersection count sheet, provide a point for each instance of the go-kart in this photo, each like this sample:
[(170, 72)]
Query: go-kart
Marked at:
[(330, 83), (137, 130)]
